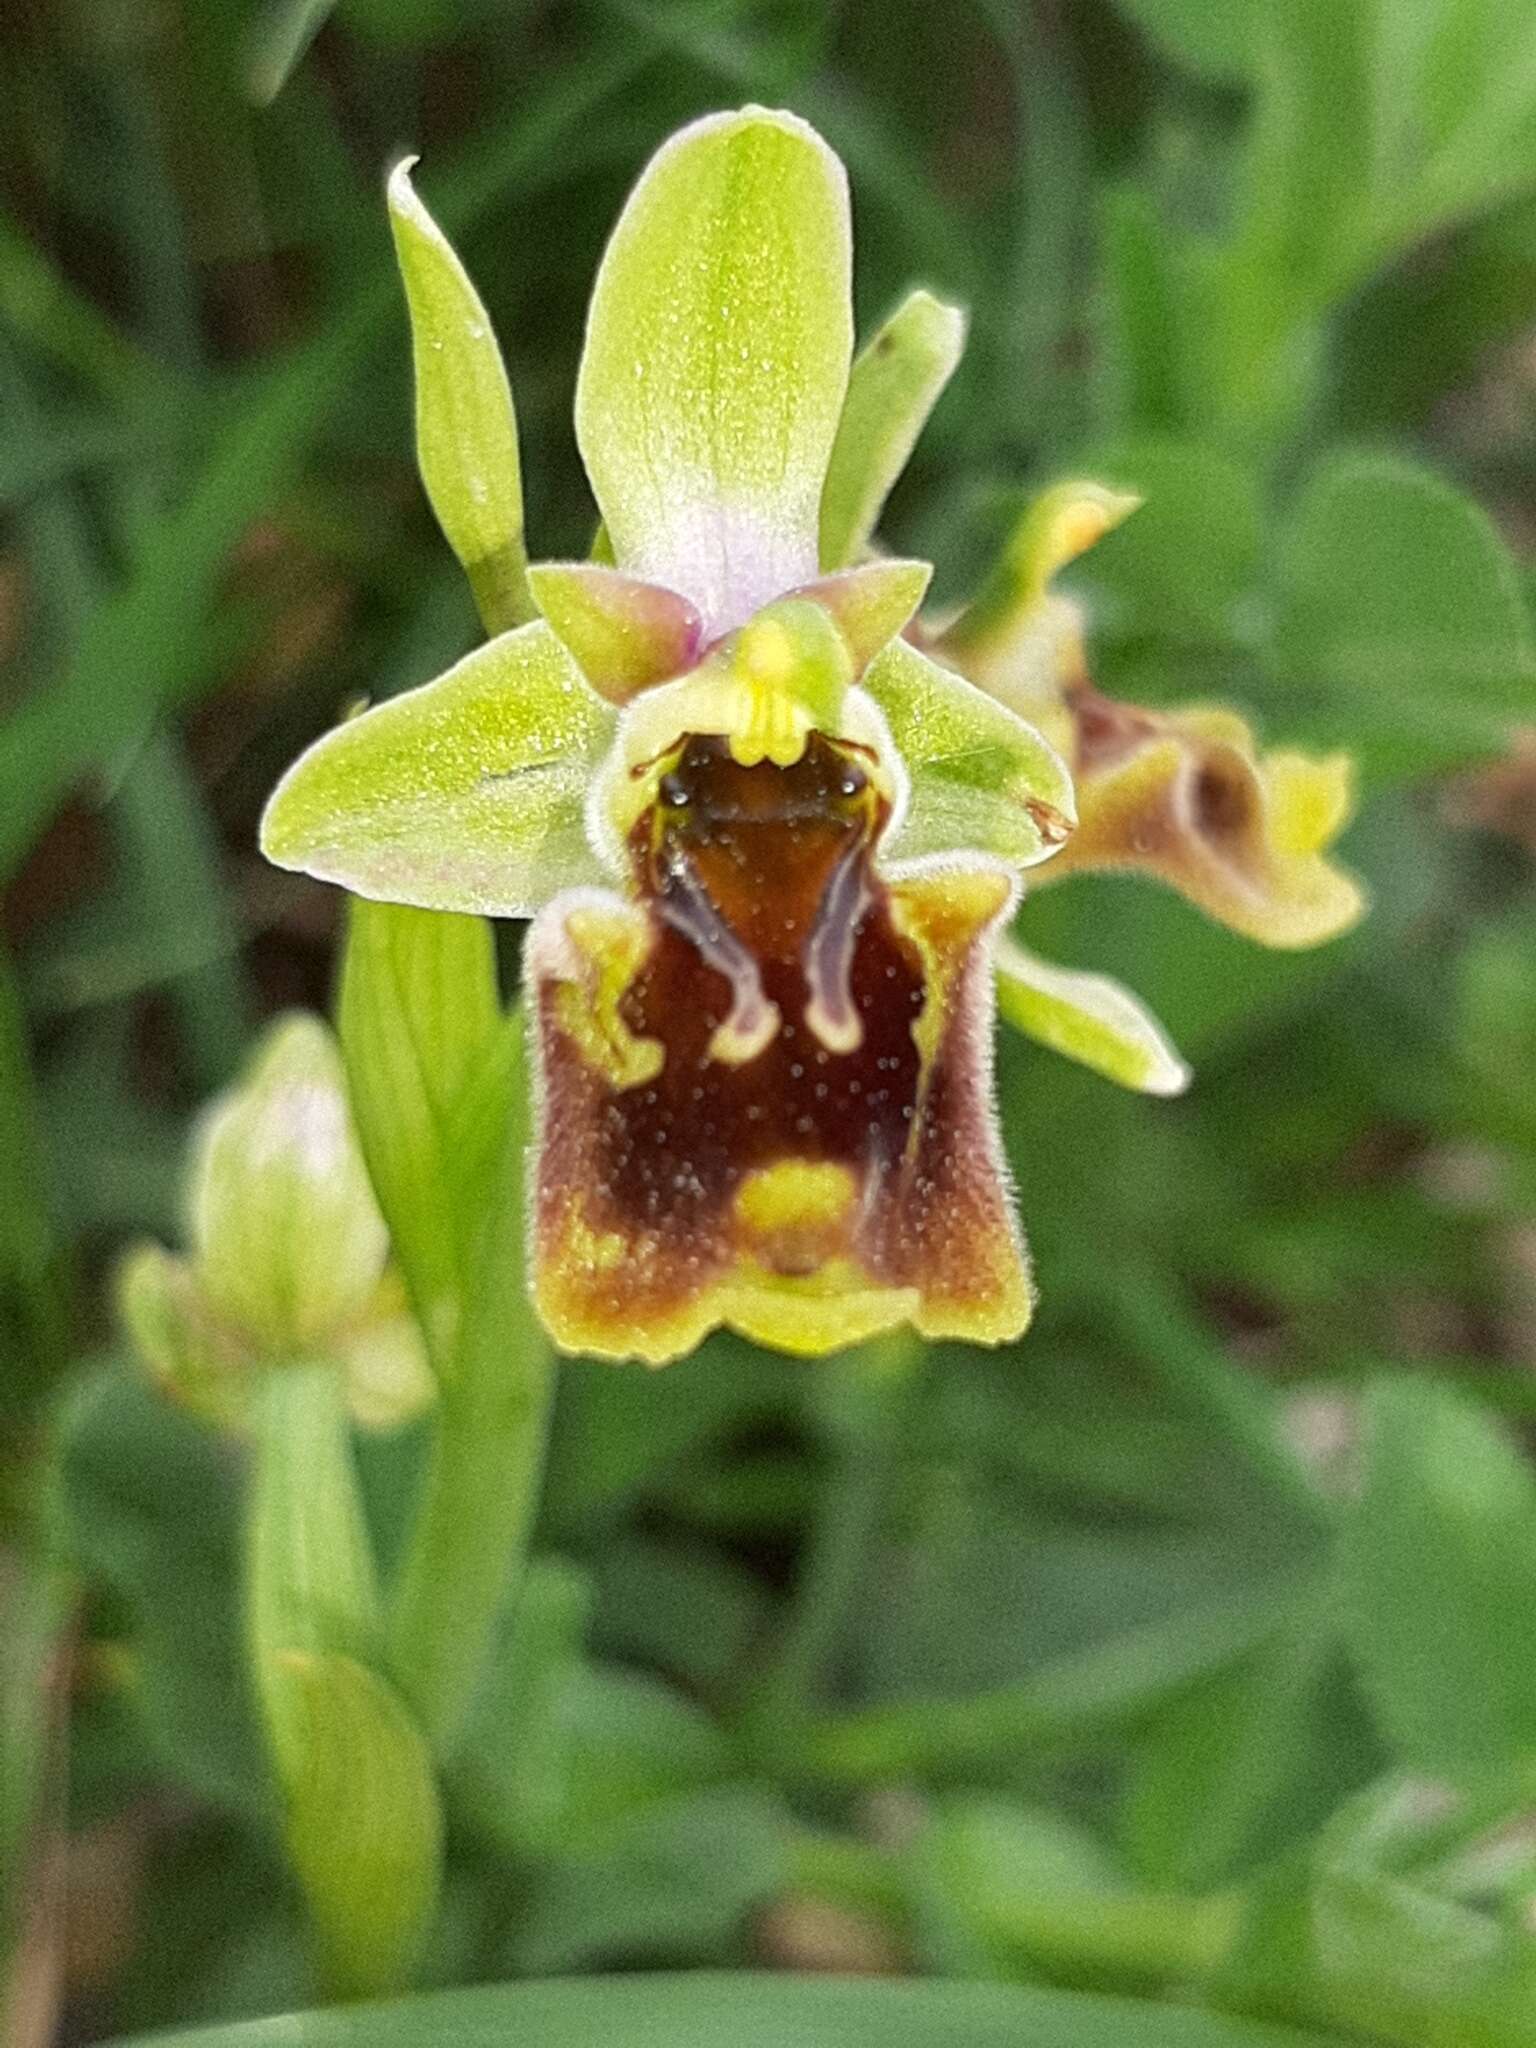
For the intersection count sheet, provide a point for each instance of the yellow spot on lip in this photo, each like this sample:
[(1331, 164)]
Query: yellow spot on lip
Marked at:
[(796, 1194)]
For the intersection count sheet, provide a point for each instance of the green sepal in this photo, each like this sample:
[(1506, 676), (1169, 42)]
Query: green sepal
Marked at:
[(466, 427), (624, 635), (982, 781), (187, 1350), (466, 794), (1090, 1018), (1060, 524), (894, 385), (716, 362)]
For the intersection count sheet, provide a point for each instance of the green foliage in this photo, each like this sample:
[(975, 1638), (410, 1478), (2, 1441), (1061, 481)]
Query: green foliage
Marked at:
[(1167, 1680), (1440, 1567), (760, 2012)]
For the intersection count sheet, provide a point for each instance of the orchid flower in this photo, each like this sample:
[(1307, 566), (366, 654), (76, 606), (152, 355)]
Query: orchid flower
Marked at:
[(765, 842), (1186, 796)]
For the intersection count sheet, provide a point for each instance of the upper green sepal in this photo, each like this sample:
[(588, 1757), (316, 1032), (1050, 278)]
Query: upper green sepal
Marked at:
[(466, 794), (716, 362), (1089, 1018), (894, 385), (982, 780), (466, 428)]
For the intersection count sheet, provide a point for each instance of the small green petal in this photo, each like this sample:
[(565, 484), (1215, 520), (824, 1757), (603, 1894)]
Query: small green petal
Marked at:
[(466, 429), (1089, 1018), (176, 1335), (624, 635), (467, 794), (982, 780), (716, 362), (871, 604), (895, 384)]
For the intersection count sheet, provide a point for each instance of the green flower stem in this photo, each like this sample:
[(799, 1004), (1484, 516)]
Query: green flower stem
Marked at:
[(869, 1395), (1131, 1939), (310, 1583), (361, 1823), (471, 1531)]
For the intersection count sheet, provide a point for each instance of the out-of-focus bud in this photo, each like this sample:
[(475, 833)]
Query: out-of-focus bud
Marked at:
[(288, 1242), (187, 1349), (288, 1252), (1019, 638)]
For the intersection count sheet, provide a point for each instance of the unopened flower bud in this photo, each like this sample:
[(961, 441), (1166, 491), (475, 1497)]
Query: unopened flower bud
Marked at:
[(289, 1246)]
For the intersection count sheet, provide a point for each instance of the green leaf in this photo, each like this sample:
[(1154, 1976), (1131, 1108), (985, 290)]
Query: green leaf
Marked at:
[(1188, 567), (982, 780), (895, 383), (1089, 1018), (1217, 38), (1400, 602), (716, 362), (997, 1881), (135, 1475), (701, 2009), (466, 428), (281, 33), (466, 794), (1244, 1765), (1440, 1583), (425, 1053), (363, 1825), (1339, 1938), (678, 1880), (34, 1600)]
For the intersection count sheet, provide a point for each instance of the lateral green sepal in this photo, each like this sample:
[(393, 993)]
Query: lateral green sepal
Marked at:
[(466, 794)]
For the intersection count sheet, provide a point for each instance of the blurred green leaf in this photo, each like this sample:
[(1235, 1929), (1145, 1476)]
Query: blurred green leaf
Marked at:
[(281, 33), (1186, 566), (1439, 1566), (135, 1475), (677, 1880), (701, 2009), (1217, 38), (1244, 1765), (1400, 609)]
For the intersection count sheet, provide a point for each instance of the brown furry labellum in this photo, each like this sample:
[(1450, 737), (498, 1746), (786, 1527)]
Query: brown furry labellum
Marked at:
[(765, 1094)]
